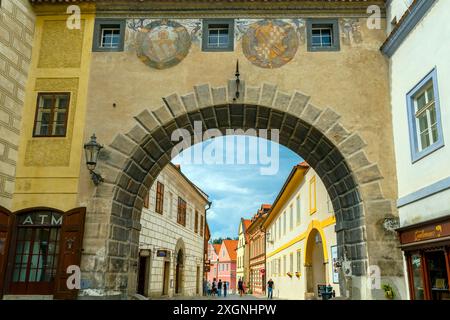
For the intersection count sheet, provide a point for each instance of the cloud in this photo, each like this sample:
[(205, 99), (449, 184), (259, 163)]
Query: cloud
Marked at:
[(237, 190)]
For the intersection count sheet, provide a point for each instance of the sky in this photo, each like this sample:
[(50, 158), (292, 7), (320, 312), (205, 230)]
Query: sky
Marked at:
[(236, 190)]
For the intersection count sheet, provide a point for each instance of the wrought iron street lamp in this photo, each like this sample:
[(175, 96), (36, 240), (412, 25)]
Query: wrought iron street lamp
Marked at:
[(92, 150)]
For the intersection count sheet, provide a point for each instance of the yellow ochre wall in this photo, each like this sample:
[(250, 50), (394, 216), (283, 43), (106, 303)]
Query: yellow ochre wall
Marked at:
[(48, 168)]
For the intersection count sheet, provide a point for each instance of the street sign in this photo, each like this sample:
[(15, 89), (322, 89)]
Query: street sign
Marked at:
[(162, 253)]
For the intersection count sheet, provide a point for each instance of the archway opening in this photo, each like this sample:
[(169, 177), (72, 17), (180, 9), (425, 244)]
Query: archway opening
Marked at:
[(336, 154), (316, 274), (179, 272)]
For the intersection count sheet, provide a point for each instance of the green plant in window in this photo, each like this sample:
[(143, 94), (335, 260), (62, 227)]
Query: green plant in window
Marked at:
[(388, 291)]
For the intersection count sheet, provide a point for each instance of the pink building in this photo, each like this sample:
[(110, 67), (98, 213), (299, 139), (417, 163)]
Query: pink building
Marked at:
[(213, 254), (227, 263)]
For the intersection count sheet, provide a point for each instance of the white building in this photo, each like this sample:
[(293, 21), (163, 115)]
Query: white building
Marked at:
[(242, 251), (420, 93), (302, 242), (172, 237)]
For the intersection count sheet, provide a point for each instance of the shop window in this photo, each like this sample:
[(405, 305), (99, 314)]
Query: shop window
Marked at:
[(109, 35), (218, 35), (425, 129), (437, 273), (36, 252), (323, 35), (51, 115), (416, 275)]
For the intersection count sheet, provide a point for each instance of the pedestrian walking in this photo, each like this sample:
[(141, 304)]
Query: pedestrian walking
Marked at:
[(214, 287), (270, 288), (209, 287), (225, 287), (241, 287), (219, 288)]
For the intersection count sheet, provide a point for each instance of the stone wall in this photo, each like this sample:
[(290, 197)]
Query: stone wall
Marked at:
[(16, 36)]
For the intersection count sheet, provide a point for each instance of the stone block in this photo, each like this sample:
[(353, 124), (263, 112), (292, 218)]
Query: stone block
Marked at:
[(368, 174), (298, 103), (337, 133), (352, 144), (163, 114), (190, 102), (252, 95), (147, 120), (137, 134), (173, 102), (219, 95), (268, 94), (326, 120), (282, 101), (123, 144), (358, 160), (203, 95), (372, 191), (310, 113)]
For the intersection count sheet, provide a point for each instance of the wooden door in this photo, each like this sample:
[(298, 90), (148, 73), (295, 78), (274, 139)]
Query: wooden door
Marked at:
[(6, 226), (166, 278), (71, 242), (142, 275)]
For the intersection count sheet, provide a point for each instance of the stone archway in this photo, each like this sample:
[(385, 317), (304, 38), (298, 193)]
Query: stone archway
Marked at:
[(315, 259), (134, 159), (179, 265)]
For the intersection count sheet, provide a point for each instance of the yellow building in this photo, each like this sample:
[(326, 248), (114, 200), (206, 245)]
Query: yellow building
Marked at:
[(301, 240)]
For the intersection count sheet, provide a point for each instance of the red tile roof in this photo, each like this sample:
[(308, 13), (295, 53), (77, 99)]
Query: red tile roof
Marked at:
[(247, 222), (231, 246), (217, 248)]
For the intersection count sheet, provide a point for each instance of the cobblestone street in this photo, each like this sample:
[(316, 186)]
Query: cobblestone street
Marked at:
[(228, 297)]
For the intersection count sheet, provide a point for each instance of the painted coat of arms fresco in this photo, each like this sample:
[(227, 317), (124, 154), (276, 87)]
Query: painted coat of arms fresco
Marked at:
[(270, 43), (163, 43)]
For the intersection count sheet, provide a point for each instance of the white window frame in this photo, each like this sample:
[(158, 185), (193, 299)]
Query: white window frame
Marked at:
[(417, 152)]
